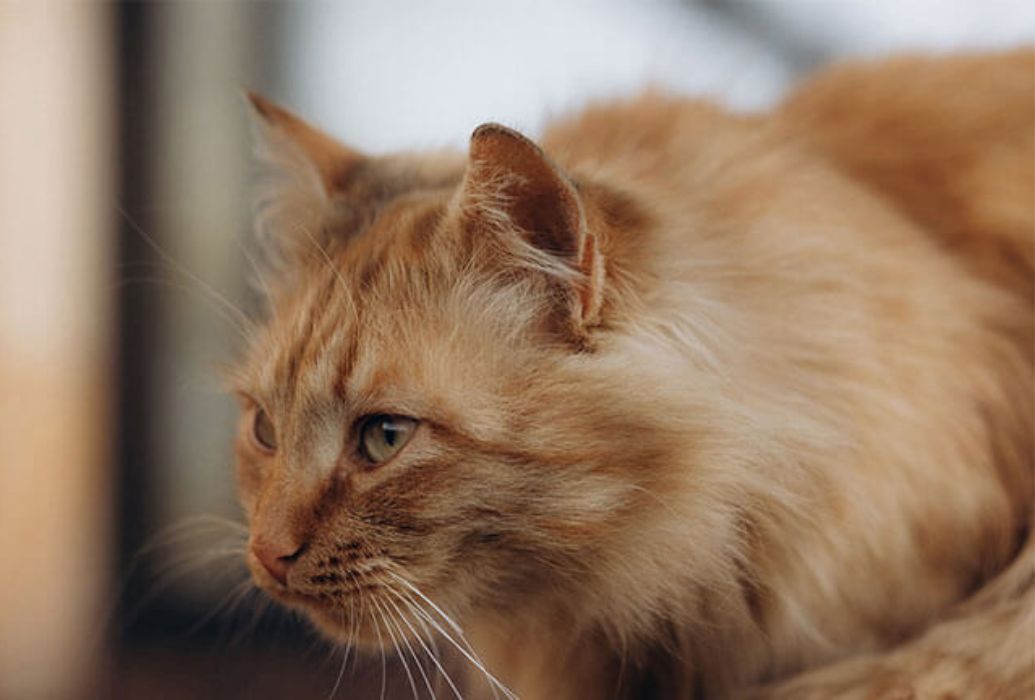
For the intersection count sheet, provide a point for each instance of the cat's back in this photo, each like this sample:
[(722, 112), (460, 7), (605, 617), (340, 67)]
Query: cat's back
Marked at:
[(864, 242), (655, 139), (948, 140), (945, 140)]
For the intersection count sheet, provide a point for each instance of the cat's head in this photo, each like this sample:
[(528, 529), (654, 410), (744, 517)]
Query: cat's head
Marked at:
[(425, 409)]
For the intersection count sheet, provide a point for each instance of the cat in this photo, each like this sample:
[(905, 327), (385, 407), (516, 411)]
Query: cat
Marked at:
[(673, 403)]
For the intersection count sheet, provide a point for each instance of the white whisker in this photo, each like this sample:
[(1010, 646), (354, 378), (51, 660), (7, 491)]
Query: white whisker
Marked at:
[(434, 656), (386, 616), (429, 635), (241, 322), (447, 618), (344, 659), (381, 647), (265, 604), (126, 282), (175, 571), (494, 683), (416, 659), (330, 264), (469, 655), (256, 270), (227, 603)]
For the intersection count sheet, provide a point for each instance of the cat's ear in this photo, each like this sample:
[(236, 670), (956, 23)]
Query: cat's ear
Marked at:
[(303, 192), (286, 139), (511, 185)]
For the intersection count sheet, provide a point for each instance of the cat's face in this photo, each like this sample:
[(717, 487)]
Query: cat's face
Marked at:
[(420, 412)]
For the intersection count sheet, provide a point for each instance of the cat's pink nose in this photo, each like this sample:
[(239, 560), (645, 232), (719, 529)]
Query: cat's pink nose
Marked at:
[(276, 557)]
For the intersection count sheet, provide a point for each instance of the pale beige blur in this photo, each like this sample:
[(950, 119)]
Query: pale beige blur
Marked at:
[(56, 241)]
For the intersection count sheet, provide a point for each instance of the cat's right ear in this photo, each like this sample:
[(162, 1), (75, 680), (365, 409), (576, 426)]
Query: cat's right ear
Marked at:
[(513, 189), (306, 169)]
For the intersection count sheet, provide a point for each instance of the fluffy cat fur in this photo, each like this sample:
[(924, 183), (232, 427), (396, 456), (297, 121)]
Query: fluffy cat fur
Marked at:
[(710, 405)]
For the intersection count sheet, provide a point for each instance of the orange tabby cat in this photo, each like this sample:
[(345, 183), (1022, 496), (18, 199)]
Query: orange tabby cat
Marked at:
[(679, 405)]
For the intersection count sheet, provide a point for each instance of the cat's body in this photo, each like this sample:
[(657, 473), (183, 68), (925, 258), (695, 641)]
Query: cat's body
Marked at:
[(703, 401)]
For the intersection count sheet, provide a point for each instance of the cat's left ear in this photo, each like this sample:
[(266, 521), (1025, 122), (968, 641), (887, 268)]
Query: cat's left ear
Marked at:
[(287, 141), (307, 175), (513, 186)]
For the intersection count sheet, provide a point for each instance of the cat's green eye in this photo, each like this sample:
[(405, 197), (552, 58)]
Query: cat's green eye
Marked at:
[(382, 436), (264, 432)]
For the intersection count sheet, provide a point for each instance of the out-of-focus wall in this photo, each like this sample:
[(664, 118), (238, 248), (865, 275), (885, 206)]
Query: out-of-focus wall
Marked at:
[(56, 254), (399, 74), (196, 213), (859, 28)]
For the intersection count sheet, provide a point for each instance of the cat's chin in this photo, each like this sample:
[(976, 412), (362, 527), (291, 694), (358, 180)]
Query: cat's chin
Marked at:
[(332, 618), (334, 624), (334, 621)]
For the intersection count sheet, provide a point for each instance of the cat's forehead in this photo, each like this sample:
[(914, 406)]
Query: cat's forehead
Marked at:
[(309, 338), (358, 317), (411, 230), (405, 317)]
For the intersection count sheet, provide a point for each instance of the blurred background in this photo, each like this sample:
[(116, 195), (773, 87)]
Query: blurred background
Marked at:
[(125, 181)]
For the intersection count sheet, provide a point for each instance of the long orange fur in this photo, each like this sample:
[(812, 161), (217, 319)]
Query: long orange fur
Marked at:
[(709, 405)]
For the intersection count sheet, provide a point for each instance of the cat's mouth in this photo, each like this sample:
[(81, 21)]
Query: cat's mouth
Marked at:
[(354, 594), (349, 608)]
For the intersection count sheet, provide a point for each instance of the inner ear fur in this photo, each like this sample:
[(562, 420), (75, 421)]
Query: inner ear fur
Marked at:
[(513, 186)]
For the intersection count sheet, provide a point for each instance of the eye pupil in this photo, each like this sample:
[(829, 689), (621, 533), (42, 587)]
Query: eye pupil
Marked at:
[(381, 437)]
